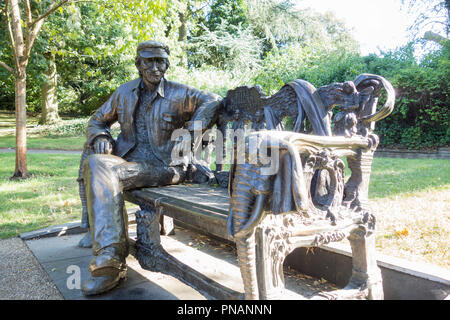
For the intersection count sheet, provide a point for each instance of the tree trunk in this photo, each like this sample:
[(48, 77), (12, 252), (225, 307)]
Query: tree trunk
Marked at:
[(21, 127), (21, 53), (20, 93), (48, 90)]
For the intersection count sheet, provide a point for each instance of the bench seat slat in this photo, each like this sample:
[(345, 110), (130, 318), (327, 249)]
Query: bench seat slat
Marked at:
[(193, 205)]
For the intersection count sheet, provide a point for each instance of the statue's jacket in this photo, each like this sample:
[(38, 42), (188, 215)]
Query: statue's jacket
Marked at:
[(171, 106)]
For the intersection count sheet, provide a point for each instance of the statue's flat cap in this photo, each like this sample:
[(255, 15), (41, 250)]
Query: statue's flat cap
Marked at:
[(151, 49)]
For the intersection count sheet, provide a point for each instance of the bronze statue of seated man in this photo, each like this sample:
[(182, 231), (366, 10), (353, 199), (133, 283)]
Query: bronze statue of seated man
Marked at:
[(148, 110)]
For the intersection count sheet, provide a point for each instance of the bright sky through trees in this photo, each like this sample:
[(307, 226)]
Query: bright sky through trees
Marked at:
[(375, 25)]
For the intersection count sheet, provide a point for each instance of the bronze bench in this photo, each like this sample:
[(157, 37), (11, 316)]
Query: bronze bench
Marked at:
[(305, 203)]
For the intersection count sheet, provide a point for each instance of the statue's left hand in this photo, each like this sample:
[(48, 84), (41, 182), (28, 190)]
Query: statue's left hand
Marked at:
[(102, 145)]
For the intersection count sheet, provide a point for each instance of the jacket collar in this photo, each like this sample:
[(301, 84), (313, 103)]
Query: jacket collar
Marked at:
[(159, 90)]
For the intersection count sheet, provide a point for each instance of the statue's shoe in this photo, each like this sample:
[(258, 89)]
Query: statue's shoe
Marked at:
[(107, 263), (101, 284)]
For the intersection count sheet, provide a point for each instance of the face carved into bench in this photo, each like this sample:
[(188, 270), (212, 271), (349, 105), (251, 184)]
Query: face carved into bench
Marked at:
[(343, 94)]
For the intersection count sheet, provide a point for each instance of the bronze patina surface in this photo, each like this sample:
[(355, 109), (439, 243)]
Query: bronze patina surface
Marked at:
[(148, 110), (304, 202)]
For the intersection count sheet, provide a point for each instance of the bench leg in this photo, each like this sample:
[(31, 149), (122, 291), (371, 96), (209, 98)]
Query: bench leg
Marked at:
[(272, 247), (148, 242), (152, 256), (366, 275)]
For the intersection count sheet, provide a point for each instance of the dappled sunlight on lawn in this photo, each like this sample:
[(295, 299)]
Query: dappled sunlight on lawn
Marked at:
[(415, 226), (49, 197), (411, 199), (392, 177)]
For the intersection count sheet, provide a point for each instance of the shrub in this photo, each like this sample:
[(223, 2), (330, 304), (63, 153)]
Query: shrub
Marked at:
[(421, 117), (70, 128)]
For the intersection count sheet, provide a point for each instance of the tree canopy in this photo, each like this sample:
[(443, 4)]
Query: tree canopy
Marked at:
[(217, 45)]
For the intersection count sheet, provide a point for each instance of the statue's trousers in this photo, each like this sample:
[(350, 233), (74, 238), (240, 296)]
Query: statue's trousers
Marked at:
[(105, 178)]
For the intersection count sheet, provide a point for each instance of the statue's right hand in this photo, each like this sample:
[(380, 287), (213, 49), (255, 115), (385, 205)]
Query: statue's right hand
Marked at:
[(102, 145)]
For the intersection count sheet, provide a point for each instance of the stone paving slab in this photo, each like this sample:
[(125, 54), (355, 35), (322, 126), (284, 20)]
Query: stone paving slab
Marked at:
[(60, 256)]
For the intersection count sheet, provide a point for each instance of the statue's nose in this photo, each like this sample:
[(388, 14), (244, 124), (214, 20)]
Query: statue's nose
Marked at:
[(153, 66)]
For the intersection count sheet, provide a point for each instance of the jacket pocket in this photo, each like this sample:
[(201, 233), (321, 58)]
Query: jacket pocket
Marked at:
[(170, 121)]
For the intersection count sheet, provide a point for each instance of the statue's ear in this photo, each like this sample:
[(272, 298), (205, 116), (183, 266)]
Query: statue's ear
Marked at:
[(137, 62), (167, 63)]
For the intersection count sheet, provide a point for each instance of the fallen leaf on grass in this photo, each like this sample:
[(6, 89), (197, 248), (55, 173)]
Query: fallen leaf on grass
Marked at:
[(402, 233)]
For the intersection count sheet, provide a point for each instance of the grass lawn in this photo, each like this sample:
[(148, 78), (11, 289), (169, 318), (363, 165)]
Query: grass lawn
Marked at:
[(67, 135), (8, 120), (50, 197), (411, 198), (48, 143)]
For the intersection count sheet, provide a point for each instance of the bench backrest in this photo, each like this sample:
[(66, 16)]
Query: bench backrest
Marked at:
[(300, 107)]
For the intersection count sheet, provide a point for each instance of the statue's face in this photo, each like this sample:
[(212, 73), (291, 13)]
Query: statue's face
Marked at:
[(152, 69)]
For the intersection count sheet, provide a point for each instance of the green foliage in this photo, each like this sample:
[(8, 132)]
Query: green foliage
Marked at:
[(240, 36), (93, 55), (421, 117), (308, 63), (231, 11), (279, 24), (220, 44), (236, 52), (67, 128), (6, 78), (207, 79)]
